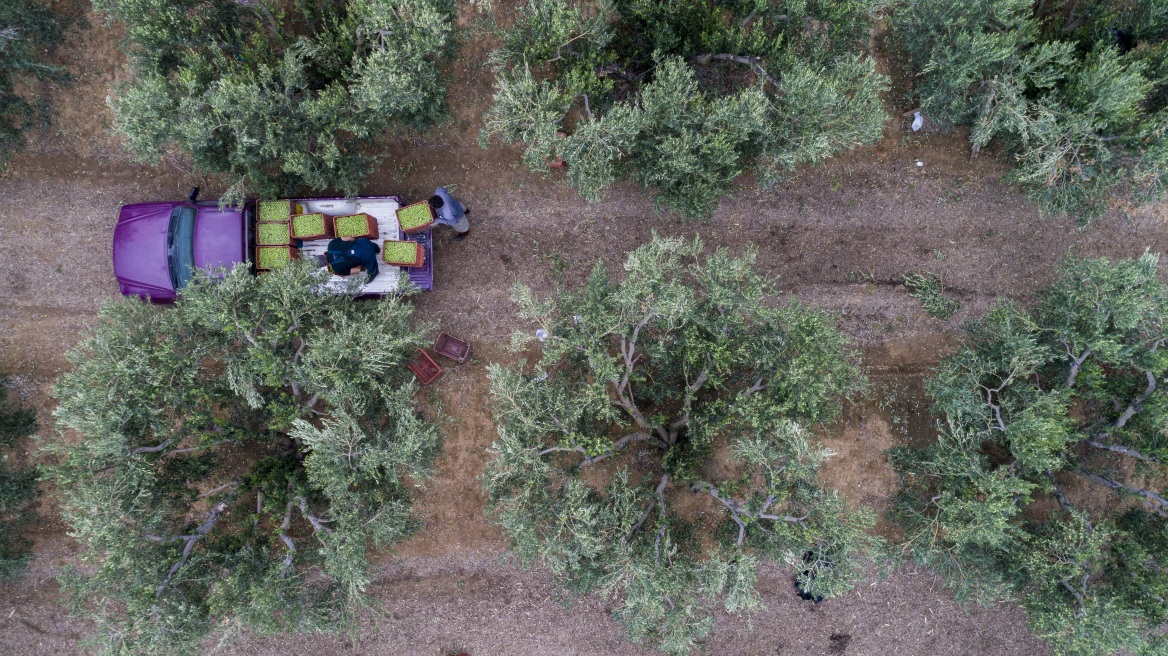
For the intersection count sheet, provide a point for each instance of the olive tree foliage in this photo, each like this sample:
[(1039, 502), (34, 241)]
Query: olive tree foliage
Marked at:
[(228, 462), (680, 390), (18, 486), (29, 30), (278, 96), (1077, 92), (683, 97), (1047, 480)]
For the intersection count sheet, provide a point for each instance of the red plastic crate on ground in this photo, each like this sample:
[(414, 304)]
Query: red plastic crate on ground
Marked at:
[(425, 368), (452, 347)]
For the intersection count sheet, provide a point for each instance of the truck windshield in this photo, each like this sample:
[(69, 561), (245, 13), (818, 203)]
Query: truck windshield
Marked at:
[(180, 246)]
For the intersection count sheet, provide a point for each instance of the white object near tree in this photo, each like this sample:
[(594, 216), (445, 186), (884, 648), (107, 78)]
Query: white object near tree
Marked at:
[(541, 334), (918, 121)]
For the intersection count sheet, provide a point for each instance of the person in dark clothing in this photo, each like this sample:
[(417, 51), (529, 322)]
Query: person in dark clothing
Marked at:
[(347, 256)]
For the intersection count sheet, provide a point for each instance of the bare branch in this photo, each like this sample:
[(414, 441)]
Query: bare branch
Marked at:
[(753, 62), (1157, 503), (690, 390), (783, 518), (151, 449), (1137, 403), (191, 540), (658, 495), (1076, 363), (1125, 450), (318, 524), (624, 393), (284, 525), (1058, 493), (1067, 584), (229, 484)]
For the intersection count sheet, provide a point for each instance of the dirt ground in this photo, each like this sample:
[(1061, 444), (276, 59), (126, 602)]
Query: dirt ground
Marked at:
[(842, 236)]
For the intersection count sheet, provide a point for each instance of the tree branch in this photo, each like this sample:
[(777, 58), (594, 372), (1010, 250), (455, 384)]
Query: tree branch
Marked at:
[(1157, 503), (690, 389), (1058, 493), (1076, 363), (151, 449), (284, 526), (318, 524), (191, 540), (218, 489), (658, 495), (1125, 450), (624, 393), (1137, 403), (753, 62)]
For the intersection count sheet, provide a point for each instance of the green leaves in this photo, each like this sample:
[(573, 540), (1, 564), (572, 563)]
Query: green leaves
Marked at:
[(18, 486), (684, 97), (240, 453), (1050, 86), (233, 87), (1034, 407), (692, 382), (29, 32)]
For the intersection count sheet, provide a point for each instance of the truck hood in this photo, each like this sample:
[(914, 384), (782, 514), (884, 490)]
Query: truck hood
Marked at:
[(140, 262)]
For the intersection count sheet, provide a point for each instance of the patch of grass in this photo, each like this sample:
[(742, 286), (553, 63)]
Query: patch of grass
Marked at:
[(927, 289), (856, 276)]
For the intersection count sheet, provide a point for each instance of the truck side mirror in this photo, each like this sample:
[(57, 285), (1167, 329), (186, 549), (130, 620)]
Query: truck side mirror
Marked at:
[(194, 195)]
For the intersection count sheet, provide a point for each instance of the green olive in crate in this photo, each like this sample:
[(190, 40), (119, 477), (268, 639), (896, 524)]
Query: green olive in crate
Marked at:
[(400, 252), (307, 225), (352, 226), (270, 258), (272, 234), (274, 210)]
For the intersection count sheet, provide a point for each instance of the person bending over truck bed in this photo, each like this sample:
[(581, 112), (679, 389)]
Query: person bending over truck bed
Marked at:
[(347, 255), (450, 212)]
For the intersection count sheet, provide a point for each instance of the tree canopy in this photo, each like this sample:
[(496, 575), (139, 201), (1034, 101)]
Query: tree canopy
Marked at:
[(29, 31), (18, 486), (1047, 478), (682, 97), (1077, 92), (227, 462), (660, 449), (279, 97)]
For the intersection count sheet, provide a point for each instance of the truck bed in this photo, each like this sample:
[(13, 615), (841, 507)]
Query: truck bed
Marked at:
[(384, 211)]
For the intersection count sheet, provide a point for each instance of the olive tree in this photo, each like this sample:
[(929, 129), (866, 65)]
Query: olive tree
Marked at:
[(29, 31), (683, 97), (228, 462), (1046, 481), (278, 97), (1077, 93), (18, 486), (660, 448)]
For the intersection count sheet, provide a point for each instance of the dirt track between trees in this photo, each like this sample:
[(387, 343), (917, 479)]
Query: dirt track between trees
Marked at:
[(842, 236)]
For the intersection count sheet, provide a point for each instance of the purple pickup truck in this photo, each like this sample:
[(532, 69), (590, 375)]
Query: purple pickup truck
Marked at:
[(157, 246)]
